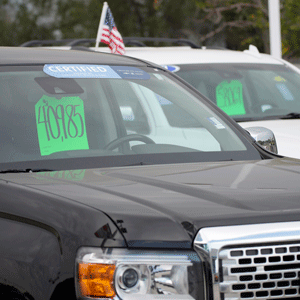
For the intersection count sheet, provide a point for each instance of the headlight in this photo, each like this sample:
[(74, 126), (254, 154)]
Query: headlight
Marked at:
[(137, 274)]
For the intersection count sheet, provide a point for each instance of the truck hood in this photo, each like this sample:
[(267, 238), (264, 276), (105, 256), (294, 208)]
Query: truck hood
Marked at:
[(286, 133), (170, 203)]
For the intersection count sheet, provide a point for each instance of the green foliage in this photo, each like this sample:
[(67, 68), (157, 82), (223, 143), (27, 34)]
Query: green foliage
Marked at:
[(290, 28), (233, 23), (24, 26), (249, 23)]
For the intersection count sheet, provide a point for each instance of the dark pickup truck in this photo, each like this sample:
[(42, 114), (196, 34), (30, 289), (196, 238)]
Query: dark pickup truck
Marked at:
[(120, 181)]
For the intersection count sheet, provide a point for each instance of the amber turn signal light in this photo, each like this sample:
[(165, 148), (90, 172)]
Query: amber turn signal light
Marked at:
[(96, 280)]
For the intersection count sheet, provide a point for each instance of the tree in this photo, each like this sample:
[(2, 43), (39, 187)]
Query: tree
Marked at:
[(231, 23), (246, 22), (234, 20), (23, 21), (290, 28), (80, 19)]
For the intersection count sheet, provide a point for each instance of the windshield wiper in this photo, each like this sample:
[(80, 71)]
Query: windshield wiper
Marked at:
[(141, 163), (291, 115), (25, 170), (238, 119)]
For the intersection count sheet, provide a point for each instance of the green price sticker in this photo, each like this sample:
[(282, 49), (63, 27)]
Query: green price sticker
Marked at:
[(73, 175), (60, 124), (229, 96)]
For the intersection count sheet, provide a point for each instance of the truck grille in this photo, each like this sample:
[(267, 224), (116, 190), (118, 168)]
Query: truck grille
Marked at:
[(255, 261), (262, 272)]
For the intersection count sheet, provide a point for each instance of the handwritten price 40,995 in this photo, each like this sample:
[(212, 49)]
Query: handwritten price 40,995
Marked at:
[(61, 116)]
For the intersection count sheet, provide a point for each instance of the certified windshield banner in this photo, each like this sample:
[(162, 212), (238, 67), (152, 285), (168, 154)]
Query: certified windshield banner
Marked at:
[(80, 71), (131, 73)]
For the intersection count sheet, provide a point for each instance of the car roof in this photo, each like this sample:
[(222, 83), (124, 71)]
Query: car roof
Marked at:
[(188, 55), (20, 55)]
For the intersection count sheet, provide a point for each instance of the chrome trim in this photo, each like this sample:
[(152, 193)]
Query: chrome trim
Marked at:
[(264, 137), (210, 241), (163, 274)]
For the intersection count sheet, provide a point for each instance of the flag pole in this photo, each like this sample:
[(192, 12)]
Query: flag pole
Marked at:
[(275, 28), (102, 19)]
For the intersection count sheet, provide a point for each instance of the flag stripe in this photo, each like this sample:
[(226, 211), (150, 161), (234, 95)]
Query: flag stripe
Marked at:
[(111, 36)]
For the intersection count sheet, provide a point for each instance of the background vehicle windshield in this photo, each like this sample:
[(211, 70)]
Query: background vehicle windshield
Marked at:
[(246, 91), (138, 112)]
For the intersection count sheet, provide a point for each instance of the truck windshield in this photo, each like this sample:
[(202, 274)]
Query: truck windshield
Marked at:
[(247, 91), (58, 115)]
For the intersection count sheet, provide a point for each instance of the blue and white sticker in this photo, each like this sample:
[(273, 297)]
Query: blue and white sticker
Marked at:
[(163, 101), (79, 71), (131, 72), (285, 92), (171, 68), (127, 113), (216, 123)]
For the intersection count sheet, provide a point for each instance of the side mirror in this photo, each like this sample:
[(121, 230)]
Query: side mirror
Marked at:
[(264, 137)]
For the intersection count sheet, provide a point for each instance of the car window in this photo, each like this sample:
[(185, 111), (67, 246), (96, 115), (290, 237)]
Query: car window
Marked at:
[(148, 113), (176, 116), (247, 90), (132, 109)]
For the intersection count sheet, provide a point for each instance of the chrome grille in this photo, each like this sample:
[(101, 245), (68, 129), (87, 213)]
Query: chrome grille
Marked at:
[(258, 261), (268, 272)]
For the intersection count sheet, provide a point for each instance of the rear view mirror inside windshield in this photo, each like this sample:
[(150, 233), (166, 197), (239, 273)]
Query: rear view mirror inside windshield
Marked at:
[(227, 72), (59, 86)]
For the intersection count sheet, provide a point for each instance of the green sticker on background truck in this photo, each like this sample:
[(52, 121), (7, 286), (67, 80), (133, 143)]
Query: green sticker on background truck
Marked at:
[(229, 97), (60, 124), (73, 175)]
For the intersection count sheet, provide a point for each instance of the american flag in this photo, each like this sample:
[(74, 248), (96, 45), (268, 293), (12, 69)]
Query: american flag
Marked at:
[(109, 33)]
